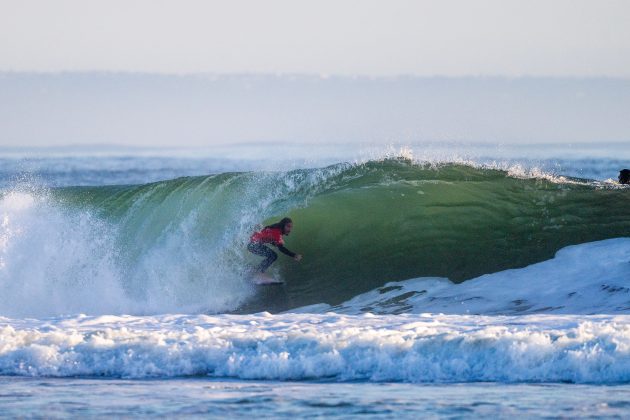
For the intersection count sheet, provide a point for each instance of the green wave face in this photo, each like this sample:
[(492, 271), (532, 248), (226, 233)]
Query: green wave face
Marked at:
[(358, 227)]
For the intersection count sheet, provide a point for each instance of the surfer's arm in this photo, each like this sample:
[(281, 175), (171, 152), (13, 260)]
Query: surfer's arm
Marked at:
[(285, 251)]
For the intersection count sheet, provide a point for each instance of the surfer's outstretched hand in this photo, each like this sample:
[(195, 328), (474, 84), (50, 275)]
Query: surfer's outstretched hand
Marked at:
[(297, 257)]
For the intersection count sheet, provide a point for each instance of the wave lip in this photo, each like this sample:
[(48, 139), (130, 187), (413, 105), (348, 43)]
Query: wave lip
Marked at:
[(407, 348)]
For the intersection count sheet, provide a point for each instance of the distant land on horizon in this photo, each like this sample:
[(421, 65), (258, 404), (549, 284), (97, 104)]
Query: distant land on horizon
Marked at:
[(156, 110)]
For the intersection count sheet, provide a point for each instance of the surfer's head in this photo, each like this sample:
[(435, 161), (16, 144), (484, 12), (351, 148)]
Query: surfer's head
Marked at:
[(624, 176), (285, 225)]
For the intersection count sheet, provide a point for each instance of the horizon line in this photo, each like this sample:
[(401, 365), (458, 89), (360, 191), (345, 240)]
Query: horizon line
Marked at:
[(313, 143), (321, 76)]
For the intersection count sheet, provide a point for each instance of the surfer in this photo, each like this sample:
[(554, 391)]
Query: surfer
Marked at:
[(624, 176), (271, 234)]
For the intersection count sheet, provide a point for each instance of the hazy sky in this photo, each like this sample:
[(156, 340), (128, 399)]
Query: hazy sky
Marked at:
[(584, 46), (366, 37), (167, 110)]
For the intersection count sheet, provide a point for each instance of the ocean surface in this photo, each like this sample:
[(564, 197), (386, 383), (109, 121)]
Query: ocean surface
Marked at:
[(437, 281)]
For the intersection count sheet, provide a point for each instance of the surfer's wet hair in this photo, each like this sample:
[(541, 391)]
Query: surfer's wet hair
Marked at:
[(281, 224), (624, 176)]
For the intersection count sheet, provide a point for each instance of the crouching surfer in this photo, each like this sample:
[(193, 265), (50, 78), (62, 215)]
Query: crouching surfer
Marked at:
[(272, 235)]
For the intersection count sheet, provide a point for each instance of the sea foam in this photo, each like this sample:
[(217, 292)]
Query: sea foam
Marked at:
[(408, 348)]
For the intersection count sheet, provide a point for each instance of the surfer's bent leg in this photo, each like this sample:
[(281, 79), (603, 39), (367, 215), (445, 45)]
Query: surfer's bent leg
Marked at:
[(260, 249)]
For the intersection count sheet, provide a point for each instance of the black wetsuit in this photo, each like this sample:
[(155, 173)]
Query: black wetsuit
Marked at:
[(270, 256)]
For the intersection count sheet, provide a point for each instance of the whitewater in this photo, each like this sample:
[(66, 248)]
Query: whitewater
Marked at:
[(418, 272)]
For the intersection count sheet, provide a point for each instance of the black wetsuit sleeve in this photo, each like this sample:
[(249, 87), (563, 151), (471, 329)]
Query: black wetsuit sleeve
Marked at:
[(286, 251)]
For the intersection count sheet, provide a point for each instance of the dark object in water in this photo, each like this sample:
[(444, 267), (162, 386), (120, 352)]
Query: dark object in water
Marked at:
[(624, 176)]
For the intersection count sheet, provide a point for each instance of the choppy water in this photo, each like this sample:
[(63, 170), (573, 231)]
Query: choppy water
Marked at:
[(201, 397)]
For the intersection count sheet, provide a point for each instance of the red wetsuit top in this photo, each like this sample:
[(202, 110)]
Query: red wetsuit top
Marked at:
[(271, 236), (268, 236)]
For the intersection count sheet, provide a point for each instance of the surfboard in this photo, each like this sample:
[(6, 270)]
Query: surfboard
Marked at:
[(262, 279)]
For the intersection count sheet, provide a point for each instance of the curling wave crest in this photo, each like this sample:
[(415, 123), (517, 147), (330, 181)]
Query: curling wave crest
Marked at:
[(179, 246)]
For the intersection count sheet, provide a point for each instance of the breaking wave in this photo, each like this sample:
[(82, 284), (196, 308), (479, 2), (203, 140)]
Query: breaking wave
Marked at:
[(331, 347), (179, 245)]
